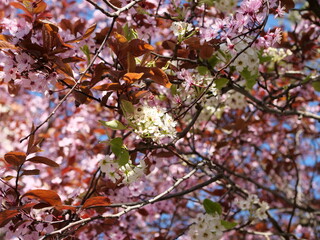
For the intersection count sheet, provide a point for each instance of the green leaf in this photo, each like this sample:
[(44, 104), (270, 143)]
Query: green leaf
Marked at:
[(212, 207), (116, 146), (228, 225), (129, 33), (316, 86), (86, 51), (114, 124), (306, 79), (213, 61), (221, 82), (174, 89), (251, 79), (123, 157), (202, 70), (127, 108)]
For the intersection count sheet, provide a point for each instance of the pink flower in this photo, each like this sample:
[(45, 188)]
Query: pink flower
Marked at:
[(16, 27), (185, 75), (240, 22), (230, 46), (250, 7), (280, 11), (24, 62), (208, 34)]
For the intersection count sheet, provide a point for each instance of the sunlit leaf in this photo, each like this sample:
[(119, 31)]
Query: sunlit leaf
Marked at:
[(20, 6), (7, 178), (65, 207), (156, 74), (108, 87), (39, 7), (86, 51), (43, 160), (140, 94), (87, 34), (64, 67), (6, 45), (6, 216), (132, 77), (48, 196), (96, 201), (138, 47), (73, 59), (15, 158), (113, 124)]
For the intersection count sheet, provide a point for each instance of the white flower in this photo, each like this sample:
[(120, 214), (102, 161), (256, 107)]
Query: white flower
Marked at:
[(241, 62), (264, 206), (253, 199), (153, 122), (133, 173), (181, 28), (109, 167), (235, 100), (277, 54), (244, 205), (261, 214), (258, 209), (207, 226)]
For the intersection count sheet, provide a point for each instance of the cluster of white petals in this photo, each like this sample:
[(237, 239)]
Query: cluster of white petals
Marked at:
[(248, 59), (235, 100), (132, 173), (256, 208), (153, 122), (181, 28), (110, 168), (277, 54), (129, 173), (206, 226)]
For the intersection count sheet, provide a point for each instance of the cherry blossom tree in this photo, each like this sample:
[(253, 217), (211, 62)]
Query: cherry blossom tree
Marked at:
[(159, 119)]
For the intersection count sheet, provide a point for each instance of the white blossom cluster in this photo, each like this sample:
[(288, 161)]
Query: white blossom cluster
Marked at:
[(277, 54), (132, 173), (207, 226), (129, 173), (181, 28), (257, 209), (211, 103), (248, 59), (153, 122), (110, 168), (235, 100)]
